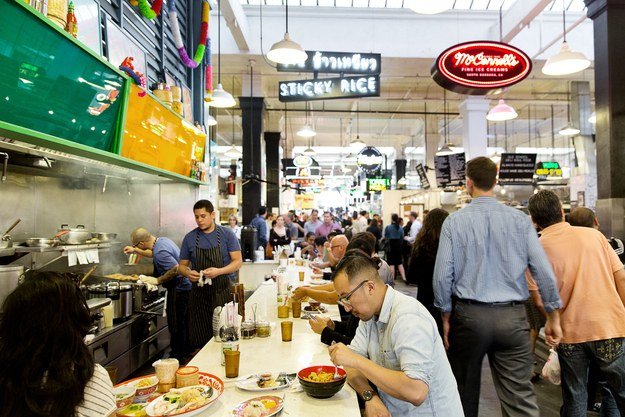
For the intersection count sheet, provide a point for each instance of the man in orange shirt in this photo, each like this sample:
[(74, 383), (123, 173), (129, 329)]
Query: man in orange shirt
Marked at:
[(591, 281)]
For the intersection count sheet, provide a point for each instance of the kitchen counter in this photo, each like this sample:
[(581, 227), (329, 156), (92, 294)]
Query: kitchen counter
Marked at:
[(273, 355)]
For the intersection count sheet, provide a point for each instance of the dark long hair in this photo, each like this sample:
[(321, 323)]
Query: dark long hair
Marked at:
[(44, 362), (395, 220), (426, 242)]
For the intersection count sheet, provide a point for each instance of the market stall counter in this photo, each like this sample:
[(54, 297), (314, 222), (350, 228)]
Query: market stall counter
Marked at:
[(271, 355)]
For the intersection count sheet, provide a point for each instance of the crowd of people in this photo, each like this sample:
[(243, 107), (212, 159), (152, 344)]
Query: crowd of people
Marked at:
[(489, 277)]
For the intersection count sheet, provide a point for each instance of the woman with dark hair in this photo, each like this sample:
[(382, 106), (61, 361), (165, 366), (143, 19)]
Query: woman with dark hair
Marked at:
[(45, 366), (423, 258), (374, 227), (395, 236)]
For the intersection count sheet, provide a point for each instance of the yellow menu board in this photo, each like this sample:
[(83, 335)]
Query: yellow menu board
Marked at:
[(156, 136)]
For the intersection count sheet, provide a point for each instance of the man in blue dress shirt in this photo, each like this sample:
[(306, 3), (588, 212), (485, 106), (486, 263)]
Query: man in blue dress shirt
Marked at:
[(397, 346), (480, 287), (260, 223)]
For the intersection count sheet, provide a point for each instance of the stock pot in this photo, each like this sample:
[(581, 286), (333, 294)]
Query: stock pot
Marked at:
[(120, 295)]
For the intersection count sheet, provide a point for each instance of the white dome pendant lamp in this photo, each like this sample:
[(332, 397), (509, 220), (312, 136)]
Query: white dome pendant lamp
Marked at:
[(566, 61), (221, 98), (286, 51)]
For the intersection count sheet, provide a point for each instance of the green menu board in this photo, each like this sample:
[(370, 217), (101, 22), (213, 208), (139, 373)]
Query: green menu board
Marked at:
[(53, 85)]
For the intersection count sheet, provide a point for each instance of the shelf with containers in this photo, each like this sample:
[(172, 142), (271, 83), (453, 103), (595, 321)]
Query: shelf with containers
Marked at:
[(58, 94)]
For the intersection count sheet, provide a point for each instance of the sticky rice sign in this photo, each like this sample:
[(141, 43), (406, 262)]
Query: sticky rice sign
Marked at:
[(478, 67)]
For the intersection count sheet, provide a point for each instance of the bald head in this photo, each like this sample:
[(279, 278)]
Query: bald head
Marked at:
[(140, 235), (338, 246)]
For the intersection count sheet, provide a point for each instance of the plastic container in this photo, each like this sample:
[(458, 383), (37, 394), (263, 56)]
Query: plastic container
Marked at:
[(263, 329)]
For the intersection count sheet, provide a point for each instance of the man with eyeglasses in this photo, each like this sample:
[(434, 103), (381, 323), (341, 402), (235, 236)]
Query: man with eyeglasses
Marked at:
[(166, 257), (397, 347)]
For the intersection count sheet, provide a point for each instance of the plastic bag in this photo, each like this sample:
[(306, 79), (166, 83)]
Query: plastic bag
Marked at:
[(551, 370)]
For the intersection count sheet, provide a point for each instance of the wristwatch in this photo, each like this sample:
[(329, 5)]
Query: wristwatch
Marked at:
[(367, 395)]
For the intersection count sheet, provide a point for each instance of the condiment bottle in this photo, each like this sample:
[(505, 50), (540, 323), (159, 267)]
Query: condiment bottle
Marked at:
[(71, 26)]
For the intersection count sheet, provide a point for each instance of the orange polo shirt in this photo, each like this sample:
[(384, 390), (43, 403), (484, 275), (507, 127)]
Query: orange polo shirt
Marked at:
[(584, 265)]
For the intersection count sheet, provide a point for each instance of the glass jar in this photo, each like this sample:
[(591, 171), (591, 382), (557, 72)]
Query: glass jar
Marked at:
[(263, 329), (248, 329)]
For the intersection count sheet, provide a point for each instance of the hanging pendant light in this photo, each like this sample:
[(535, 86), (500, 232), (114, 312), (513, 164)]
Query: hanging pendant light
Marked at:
[(233, 152), (210, 120), (221, 98), (447, 149), (309, 151), (429, 6), (286, 51), (357, 144), (566, 61), (402, 181), (568, 129), (501, 112), (307, 130)]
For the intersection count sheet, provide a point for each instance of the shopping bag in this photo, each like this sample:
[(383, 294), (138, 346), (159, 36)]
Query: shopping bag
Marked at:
[(551, 370)]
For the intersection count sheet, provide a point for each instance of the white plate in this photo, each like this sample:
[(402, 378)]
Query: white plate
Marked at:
[(318, 281), (238, 410), (250, 383), (210, 382)]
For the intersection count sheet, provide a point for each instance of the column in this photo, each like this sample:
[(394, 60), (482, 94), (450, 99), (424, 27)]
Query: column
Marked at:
[(272, 152), (252, 123), (473, 111), (584, 175), (431, 147), (608, 17), (400, 171)]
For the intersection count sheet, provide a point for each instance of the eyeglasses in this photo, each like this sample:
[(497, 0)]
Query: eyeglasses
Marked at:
[(335, 246), (344, 299), (137, 244)]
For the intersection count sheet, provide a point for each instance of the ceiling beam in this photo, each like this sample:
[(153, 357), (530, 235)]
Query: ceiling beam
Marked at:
[(518, 17), (237, 23)]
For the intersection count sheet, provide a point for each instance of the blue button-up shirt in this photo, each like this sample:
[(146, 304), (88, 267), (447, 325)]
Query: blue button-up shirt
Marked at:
[(405, 338), (483, 253), (260, 224)]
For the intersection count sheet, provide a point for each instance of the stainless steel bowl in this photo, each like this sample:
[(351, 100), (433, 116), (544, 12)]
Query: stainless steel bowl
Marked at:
[(104, 237), (41, 242)]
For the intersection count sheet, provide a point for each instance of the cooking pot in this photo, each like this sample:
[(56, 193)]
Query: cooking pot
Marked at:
[(120, 295), (41, 242), (73, 236), (9, 279), (104, 237), (5, 242)]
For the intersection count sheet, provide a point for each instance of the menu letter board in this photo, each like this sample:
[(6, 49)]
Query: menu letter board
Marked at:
[(450, 170), (425, 183), (517, 168)]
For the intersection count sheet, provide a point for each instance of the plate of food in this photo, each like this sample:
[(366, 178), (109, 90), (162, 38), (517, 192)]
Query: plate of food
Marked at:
[(316, 275), (318, 281), (264, 406), (266, 381), (185, 401)]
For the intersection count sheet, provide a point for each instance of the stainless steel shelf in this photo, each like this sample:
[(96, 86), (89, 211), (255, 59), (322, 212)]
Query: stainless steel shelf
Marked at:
[(64, 248)]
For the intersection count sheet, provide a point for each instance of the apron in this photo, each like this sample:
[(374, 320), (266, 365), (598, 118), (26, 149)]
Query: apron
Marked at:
[(203, 300)]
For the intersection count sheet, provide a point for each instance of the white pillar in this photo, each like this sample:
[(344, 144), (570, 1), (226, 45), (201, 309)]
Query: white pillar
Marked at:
[(473, 111)]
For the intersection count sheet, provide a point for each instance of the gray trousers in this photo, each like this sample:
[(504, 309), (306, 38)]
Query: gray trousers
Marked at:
[(502, 333)]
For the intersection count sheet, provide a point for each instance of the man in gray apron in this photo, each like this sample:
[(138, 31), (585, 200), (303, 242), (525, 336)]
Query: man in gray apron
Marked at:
[(215, 251)]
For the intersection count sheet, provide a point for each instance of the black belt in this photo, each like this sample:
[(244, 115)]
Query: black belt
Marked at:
[(495, 304)]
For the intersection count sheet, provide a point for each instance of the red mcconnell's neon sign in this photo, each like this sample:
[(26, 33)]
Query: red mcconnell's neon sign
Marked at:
[(478, 67)]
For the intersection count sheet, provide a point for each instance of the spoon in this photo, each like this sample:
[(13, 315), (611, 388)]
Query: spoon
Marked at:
[(336, 372)]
